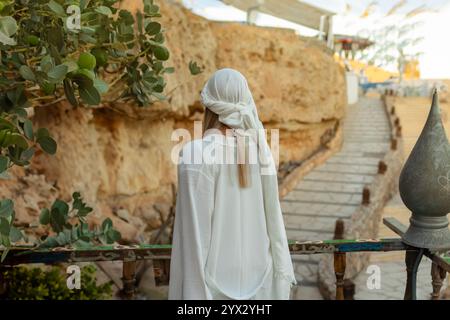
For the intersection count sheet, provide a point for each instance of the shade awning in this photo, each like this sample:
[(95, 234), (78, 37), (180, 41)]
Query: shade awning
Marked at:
[(291, 10)]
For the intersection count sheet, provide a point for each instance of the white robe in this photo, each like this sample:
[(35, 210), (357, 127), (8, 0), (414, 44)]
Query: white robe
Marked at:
[(221, 244)]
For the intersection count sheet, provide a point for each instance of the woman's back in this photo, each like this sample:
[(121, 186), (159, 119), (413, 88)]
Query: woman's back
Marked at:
[(229, 239), (238, 260)]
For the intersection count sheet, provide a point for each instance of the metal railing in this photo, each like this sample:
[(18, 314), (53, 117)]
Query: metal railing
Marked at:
[(160, 254)]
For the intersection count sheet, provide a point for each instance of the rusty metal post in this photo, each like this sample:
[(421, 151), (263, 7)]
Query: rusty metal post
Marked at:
[(382, 167), (129, 279), (366, 196), (393, 144), (339, 229), (437, 275)]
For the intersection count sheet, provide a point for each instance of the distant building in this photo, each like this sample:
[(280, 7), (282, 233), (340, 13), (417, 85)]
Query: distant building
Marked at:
[(346, 46)]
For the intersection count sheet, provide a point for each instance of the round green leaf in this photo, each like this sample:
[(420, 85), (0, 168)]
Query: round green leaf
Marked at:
[(70, 92), (42, 132), (100, 85), (56, 8), (5, 227), (103, 10), (153, 28), (3, 163), (71, 66), (49, 242), (44, 217), (6, 208), (112, 236), (61, 239), (86, 73), (27, 154), (60, 206), (28, 129), (27, 73), (57, 74), (48, 88), (18, 140), (15, 234), (107, 224), (8, 27), (47, 144), (101, 56), (161, 53), (89, 95)]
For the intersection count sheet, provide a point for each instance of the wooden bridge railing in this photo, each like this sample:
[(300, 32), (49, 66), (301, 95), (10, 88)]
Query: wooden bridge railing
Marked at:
[(160, 254)]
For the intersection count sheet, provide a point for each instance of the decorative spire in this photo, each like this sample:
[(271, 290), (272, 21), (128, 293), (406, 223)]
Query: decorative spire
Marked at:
[(425, 184)]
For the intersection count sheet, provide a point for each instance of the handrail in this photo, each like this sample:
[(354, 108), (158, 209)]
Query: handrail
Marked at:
[(160, 253), (27, 255)]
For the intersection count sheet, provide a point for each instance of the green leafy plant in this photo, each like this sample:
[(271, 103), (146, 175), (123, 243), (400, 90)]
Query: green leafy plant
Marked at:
[(194, 68), (38, 284), (47, 54), (66, 225), (18, 141), (51, 58), (8, 233), (70, 225)]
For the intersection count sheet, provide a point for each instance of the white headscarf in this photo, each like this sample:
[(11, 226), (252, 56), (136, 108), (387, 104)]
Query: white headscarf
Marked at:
[(228, 95)]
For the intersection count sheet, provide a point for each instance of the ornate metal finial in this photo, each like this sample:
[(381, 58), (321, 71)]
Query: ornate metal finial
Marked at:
[(425, 185)]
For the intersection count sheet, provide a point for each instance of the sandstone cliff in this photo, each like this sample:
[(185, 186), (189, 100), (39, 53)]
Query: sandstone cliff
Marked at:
[(119, 156)]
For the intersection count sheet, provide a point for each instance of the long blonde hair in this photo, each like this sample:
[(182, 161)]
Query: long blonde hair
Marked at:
[(211, 121)]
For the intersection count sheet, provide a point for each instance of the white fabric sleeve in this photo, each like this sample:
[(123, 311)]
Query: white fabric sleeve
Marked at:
[(283, 267), (192, 233)]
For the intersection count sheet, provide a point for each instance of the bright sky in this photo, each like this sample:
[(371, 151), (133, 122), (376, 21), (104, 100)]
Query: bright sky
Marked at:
[(433, 25)]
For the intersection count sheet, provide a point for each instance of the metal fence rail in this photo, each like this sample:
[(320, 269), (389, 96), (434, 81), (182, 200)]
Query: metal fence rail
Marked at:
[(160, 254)]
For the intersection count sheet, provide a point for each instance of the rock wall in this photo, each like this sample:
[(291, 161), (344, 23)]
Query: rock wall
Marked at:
[(119, 156)]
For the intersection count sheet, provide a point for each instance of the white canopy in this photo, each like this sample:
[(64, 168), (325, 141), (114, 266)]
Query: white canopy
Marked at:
[(291, 10)]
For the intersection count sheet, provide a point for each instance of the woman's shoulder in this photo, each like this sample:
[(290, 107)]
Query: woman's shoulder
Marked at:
[(192, 160), (191, 152)]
